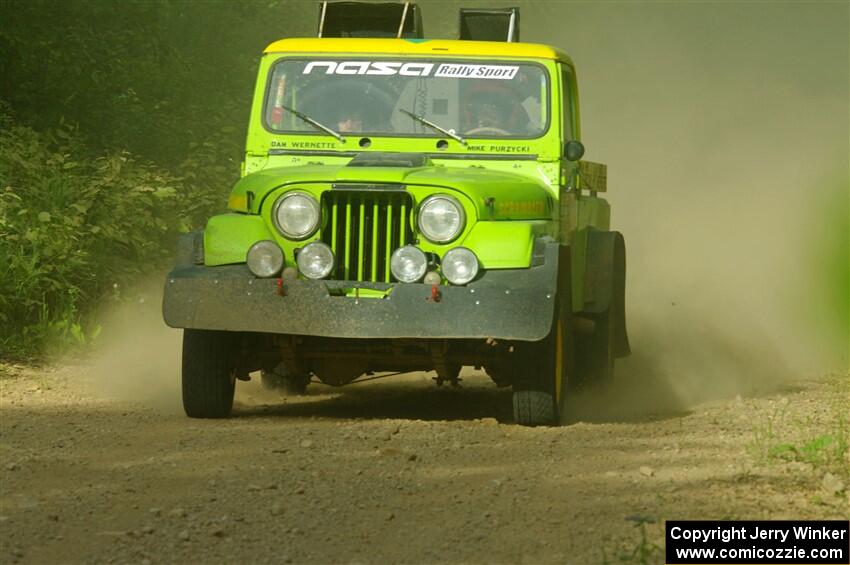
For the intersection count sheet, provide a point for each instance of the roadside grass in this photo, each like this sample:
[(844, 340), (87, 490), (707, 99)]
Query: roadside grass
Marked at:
[(819, 439), (6, 371), (642, 552)]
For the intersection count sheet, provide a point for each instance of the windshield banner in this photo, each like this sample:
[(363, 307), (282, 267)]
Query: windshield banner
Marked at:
[(463, 70), (412, 69)]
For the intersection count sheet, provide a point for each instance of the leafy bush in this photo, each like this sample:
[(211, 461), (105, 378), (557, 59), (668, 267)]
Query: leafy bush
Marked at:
[(168, 82), (73, 229), (148, 76)]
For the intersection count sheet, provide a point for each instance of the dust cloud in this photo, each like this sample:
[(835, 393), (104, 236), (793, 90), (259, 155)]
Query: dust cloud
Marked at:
[(725, 129), (138, 356)]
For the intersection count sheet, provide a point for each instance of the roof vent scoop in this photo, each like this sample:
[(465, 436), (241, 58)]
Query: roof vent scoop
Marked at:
[(490, 24), (370, 19)]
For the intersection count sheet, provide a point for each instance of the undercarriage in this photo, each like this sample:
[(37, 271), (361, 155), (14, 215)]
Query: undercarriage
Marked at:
[(337, 362)]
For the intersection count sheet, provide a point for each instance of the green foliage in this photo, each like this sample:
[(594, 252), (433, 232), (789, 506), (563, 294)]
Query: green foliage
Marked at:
[(142, 81), (776, 439), (644, 551), (73, 228), (149, 77), (818, 451)]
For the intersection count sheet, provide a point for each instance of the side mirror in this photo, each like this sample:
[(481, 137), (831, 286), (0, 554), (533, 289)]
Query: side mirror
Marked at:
[(573, 150)]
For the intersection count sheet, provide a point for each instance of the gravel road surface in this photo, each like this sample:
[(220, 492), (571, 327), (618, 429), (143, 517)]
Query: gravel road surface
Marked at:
[(396, 470)]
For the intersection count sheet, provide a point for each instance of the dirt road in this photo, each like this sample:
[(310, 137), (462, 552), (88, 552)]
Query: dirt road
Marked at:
[(399, 471)]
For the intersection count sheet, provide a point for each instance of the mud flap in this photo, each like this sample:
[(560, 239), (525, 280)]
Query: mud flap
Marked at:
[(605, 282)]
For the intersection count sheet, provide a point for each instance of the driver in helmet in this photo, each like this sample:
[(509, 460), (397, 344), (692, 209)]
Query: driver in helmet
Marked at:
[(494, 110), (486, 115), (351, 121)]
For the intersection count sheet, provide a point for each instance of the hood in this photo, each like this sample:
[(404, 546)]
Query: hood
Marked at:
[(497, 195)]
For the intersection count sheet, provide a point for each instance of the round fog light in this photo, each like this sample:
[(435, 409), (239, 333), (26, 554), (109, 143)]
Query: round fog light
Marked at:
[(460, 265), (315, 260), (265, 259), (408, 264)]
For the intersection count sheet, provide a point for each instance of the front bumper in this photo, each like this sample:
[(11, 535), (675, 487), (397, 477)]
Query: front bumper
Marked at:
[(515, 304)]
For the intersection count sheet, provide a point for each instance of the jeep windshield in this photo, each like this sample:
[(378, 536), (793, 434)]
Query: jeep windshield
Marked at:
[(490, 99)]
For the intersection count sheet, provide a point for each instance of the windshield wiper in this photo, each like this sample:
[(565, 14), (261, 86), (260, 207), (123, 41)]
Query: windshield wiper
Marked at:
[(432, 125), (314, 123)]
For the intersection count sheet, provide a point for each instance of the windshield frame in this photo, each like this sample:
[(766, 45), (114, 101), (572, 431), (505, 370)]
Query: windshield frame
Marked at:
[(267, 93)]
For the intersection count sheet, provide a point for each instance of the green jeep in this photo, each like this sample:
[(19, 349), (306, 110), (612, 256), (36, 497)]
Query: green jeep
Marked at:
[(406, 205)]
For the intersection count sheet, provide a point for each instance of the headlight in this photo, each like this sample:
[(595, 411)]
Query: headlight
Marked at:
[(408, 264), (265, 259), (459, 265), (441, 218), (315, 260), (296, 215)]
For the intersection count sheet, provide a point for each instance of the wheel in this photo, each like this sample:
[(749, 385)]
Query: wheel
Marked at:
[(281, 379), (596, 352), (540, 392), (207, 375), (539, 398)]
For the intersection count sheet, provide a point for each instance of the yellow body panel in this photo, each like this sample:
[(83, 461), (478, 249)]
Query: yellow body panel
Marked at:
[(417, 47)]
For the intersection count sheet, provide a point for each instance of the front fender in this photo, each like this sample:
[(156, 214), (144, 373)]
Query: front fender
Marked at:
[(228, 237), (505, 245)]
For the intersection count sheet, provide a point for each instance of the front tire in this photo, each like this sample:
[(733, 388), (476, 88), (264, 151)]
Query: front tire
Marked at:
[(539, 398), (208, 377), (540, 392)]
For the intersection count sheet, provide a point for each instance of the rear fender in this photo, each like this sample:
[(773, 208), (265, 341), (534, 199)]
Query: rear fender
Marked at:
[(604, 281)]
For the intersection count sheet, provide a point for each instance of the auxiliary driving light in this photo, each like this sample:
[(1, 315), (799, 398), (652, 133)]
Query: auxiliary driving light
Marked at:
[(315, 260), (408, 264), (265, 259), (459, 265)]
